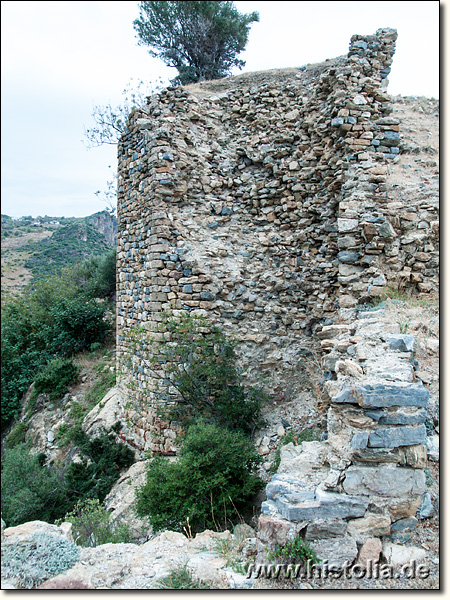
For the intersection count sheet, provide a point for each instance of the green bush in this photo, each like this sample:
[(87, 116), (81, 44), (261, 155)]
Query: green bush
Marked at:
[(199, 362), (91, 525), (295, 551), (77, 323), (29, 490), (180, 578), (16, 435), (103, 460), (42, 557), (54, 380), (97, 275), (213, 480)]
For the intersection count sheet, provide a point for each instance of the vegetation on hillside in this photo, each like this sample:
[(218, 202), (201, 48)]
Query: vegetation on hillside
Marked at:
[(68, 245), (56, 316), (32, 490)]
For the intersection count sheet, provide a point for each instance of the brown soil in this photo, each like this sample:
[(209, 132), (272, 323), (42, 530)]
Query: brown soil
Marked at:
[(14, 274)]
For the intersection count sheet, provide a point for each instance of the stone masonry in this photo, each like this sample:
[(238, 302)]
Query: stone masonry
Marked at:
[(261, 201), (366, 481)]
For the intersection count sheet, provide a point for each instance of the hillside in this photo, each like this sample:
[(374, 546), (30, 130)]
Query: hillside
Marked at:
[(36, 247)]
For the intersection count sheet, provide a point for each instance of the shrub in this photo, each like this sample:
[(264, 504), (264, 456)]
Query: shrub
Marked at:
[(16, 435), (103, 460), (207, 487), (181, 578), (91, 525), (295, 551), (77, 323), (199, 362), (29, 490), (39, 559), (32, 491), (55, 378)]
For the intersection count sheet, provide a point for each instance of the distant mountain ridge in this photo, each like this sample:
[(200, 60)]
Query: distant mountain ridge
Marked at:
[(35, 247)]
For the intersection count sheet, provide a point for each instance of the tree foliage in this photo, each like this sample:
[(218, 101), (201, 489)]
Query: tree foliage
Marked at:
[(56, 316), (110, 121), (202, 40), (32, 490), (213, 480)]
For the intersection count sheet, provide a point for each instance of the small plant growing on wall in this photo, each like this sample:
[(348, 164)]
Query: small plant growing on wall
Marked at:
[(295, 551), (194, 365)]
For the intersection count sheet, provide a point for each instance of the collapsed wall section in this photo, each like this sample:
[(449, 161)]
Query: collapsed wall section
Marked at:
[(258, 201)]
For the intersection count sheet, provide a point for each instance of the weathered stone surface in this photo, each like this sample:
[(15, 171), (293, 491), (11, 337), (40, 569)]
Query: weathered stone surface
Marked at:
[(27, 530), (121, 500), (370, 551), (323, 529), (401, 417), (401, 509), (397, 555), (336, 551), (105, 414), (360, 440), (401, 342), (382, 395), (393, 437), (426, 509), (272, 530), (432, 443), (407, 524), (378, 455), (369, 526), (384, 481), (416, 456)]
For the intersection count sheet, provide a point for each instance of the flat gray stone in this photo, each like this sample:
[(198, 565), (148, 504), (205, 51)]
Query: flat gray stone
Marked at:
[(323, 529), (407, 524), (401, 342), (395, 482), (426, 509), (402, 418), (378, 455), (336, 551), (393, 437), (381, 395), (359, 440), (327, 505)]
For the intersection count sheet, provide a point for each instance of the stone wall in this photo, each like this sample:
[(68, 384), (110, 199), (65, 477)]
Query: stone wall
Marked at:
[(260, 201), (361, 490)]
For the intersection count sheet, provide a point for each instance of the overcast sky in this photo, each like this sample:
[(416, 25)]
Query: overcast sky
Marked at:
[(59, 59)]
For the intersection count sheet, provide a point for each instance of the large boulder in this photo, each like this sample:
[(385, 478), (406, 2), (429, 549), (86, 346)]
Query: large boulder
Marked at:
[(121, 500), (105, 414)]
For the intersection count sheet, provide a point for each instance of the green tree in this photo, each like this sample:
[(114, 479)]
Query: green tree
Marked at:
[(200, 39)]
